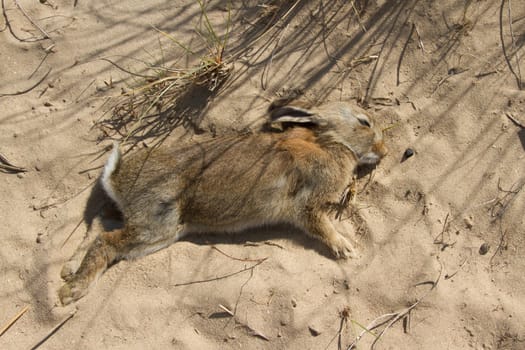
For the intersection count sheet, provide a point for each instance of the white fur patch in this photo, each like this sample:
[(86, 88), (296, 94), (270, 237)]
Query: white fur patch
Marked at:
[(109, 168), (369, 158)]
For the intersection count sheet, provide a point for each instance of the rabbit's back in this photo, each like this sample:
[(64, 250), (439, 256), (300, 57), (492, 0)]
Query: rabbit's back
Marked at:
[(229, 181)]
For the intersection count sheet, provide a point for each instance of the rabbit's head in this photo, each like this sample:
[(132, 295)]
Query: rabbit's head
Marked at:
[(335, 122)]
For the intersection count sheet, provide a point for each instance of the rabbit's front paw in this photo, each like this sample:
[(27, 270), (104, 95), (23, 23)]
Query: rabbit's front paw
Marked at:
[(72, 291), (68, 270), (342, 248)]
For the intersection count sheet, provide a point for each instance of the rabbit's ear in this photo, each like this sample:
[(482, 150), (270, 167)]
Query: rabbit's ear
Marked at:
[(293, 115)]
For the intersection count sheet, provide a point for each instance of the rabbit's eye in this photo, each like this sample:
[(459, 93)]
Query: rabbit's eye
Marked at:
[(364, 122)]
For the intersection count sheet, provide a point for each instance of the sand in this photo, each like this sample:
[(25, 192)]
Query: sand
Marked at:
[(442, 76)]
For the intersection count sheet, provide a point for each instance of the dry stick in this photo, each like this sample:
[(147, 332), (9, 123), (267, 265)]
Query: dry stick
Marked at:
[(358, 16), (7, 165), (13, 169), (514, 120), (256, 244), (240, 292), (503, 204), (484, 74), (514, 46), (391, 318), (419, 39), (234, 258), (39, 65), (447, 276), (506, 200), (518, 78), (221, 277), (253, 330), (126, 70), (53, 331), (442, 234), (84, 90), (503, 235), (273, 244), (28, 89), (443, 80), (403, 53), (13, 320), (73, 231), (31, 20), (266, 71), (8, 24), (62, 201), (282, 19), (344, 318)]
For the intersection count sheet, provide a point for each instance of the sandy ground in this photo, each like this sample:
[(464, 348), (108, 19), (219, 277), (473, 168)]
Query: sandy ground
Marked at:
[(442, 74)]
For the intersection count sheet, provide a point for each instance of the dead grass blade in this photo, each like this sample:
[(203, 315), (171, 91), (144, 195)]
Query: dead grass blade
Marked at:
[(153, 107), (53, 331), (12, 321), (388, 320), (6, 165)]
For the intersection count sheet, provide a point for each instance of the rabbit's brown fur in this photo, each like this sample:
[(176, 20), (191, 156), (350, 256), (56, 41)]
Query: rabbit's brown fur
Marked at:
[(231, 183)]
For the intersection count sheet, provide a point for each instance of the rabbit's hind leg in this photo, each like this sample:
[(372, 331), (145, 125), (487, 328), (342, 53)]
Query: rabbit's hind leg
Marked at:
[(107, 249), (72, 265), (103, 251)]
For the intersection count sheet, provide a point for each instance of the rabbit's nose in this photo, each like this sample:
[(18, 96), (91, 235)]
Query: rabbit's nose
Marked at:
[(380, 149)]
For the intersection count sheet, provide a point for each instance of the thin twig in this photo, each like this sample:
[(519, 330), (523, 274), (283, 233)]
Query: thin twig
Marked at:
[(343, 315), (53, 331), (228, 311), (268, 66), (126, 70), (500, 206), (516, 52), (499, 248), (440, 237), (514, 120), (221, 277), (39, 65), (8, 25), (398, 68), (447, 276), (234, 258), (7, 165), (84, 90), (31, 20), (73, 231), (391, 318), (444, 79), (419, 39), (503, 47), (358, 16), (240, 292), (244, 324), (28, 89), (13, 320)]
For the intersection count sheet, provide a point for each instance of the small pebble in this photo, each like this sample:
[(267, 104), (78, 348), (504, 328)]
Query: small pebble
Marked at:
[(294, 302), (484, 249), (409, 152), (468, 222), (314, 331)]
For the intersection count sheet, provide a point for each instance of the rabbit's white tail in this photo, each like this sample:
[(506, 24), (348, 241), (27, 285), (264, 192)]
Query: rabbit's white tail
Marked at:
[(111, 165)]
